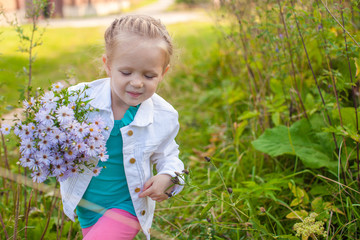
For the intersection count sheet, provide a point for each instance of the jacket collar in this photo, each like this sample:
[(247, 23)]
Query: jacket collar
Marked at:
[(101, 99)]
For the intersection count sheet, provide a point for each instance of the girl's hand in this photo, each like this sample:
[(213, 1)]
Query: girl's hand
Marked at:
[(156, 186)]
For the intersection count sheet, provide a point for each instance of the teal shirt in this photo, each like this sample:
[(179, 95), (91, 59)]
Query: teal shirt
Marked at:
[(109, 189)]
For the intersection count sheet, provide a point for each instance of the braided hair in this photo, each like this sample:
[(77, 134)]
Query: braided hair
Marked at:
[(140, 25)]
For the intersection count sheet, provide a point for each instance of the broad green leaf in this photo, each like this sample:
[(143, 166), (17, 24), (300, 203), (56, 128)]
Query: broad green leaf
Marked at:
[(317, 205), (294, 215), (348, 117), (299, 140), (296, 202)]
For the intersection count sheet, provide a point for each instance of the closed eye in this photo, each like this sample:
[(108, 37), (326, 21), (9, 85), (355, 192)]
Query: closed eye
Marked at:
[(125, 73), (149, 76)]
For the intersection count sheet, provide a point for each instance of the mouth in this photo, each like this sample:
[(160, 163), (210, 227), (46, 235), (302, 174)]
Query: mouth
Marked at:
[(134, 94)]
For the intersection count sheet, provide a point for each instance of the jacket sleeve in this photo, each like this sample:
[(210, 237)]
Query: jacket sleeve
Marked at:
[(166, 157)]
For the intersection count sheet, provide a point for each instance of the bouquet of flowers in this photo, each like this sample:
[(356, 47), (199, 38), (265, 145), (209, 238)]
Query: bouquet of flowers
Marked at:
[(56, 138)]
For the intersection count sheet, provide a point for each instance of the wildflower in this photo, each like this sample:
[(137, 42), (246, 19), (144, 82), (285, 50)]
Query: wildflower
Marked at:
[(44, 157), (5, 129), (70, 154), (26, 146), (93, 129), (175, 180), (39, 176), (262, 209), (26, 162), (53, 136), (82, 131), (96, 171), (56, 87), (320, 27), (103, 157), (310, 226), (57, 136), (44, 144), (57, 159), (29, 103), (229, 189), (62, 176), (281, 36), (49, 97), (58, 169), (64, 115), (185, 171), (277, 49)]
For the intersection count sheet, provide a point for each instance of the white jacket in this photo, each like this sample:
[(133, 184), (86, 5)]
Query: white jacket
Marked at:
[(149, 139)]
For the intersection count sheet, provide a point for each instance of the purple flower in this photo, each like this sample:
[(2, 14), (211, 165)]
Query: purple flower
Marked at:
[(281, 36), (26, 162), (44, 117), (58, 169), (277, 49), (320, 27), (44, 157), (64, 115), (26, 146), (39, 176)]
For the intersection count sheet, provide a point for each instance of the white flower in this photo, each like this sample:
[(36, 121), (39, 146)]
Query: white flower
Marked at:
[(103, 157), (49, 97), (98, 121), (29, 103), (96, 171), (82, 131), (56, 87), (81, 147), (5, 129)]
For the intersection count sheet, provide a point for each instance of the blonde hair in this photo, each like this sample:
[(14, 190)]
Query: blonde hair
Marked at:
[(140, 25)]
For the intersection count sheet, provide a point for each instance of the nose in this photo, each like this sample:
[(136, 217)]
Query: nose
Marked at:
[(136, 82)]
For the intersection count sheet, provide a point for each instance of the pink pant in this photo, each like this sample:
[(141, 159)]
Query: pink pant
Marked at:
[(115, 224)]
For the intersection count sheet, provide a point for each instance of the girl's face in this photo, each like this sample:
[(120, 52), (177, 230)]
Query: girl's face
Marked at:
[(135, 69)]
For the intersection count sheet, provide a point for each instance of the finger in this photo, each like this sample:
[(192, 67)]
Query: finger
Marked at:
[(148, 184), (146, 192)]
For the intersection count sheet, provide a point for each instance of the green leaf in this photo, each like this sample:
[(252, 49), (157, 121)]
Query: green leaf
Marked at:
[(207, 208), (299, 140), (296, 214)]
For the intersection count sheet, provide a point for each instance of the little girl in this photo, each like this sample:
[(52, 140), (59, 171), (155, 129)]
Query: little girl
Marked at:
[(120, 201)]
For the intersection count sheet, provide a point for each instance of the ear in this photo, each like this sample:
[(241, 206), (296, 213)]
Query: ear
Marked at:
[(166, 69), (106, 65)]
